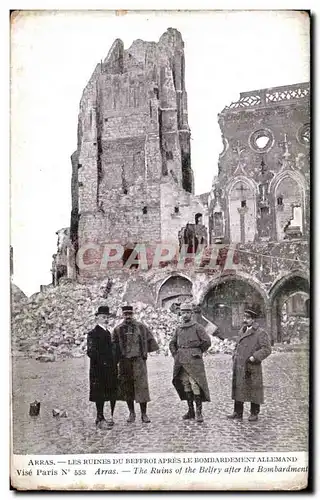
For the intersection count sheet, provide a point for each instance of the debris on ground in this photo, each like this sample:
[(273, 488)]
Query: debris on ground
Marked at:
[(53, 324)]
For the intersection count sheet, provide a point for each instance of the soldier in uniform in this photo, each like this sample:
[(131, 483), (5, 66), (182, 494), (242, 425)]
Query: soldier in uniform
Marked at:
[(103, 367), (188, 343), (252, 347), (133, 341)]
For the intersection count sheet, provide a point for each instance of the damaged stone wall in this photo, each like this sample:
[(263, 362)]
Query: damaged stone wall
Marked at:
[(133, 137), (132, 183), (179, 208), (260, 199), (60, 263), (266, 156)]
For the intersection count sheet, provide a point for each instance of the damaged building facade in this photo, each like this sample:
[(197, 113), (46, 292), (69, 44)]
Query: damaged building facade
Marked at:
[(260, 204), (132, 182)]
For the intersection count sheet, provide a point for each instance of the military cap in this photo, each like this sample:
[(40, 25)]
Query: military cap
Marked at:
[(251, 313), (127, 309)]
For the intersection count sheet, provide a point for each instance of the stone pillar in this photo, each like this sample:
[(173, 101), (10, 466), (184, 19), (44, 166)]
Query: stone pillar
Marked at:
[(242, 211), (274, 323), (269, 325)]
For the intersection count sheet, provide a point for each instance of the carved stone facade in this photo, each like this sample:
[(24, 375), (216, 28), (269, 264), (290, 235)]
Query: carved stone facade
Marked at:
[(260, 201)]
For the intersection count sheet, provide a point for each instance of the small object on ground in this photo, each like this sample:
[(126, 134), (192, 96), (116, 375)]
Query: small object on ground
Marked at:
[(34, 409), (59, 413)]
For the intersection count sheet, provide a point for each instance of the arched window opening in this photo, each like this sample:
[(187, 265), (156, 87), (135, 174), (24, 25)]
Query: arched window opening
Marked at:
[(289, 209), (198, 218), (242, 212)]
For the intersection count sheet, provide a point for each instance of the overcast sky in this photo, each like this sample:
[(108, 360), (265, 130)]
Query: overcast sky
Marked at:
[(53, 55)]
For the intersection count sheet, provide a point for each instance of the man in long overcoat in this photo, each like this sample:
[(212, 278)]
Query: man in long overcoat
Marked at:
[(133, 341), (103, 367), (252, 347), (187, 345)]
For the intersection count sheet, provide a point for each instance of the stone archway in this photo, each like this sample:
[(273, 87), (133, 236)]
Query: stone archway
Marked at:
[(174, 290), (224, 300), (289, 303)]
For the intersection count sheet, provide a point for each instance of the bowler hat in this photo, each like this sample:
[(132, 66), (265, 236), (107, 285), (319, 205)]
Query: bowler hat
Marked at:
[(251, 313), (103, 310), (127, 309)]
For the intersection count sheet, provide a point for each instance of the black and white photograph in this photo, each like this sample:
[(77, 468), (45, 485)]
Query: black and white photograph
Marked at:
[(159, 249)]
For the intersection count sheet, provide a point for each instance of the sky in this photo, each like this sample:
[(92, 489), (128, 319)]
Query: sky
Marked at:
[(53, 55)]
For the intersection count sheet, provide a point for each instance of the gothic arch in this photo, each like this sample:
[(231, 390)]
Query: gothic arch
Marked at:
[(297, 176), (239, 276), (289, 192), (280, 292), (241, 178), (180, 289), (242, 209), (280, 281), (224, 299)]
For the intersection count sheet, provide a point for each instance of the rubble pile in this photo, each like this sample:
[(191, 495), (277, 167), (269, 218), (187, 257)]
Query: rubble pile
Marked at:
[(295, 333), (219, 346), (54, 323), (296, 330), (17, 295)]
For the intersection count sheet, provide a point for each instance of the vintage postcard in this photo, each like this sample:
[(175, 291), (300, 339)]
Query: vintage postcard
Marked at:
[(160, 194)]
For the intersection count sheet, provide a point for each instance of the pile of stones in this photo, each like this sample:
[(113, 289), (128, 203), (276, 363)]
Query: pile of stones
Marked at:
[(296, 330), (219, 346), (54, 323)]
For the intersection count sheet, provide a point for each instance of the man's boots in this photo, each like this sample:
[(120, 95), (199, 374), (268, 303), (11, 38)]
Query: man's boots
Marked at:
[(144, 417), (237, 412), (254, 412), (199, 417), (132, 414), (190, 414)]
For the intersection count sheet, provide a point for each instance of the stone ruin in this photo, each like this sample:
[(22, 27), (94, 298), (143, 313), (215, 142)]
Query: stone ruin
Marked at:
[(132, 181)]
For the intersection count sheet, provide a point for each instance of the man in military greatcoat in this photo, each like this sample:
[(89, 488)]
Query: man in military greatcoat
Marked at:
[(252, 347), (133, 341), (103, 367), (187, 346)]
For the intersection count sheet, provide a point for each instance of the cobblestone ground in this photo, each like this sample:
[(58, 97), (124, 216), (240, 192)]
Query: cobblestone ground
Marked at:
[(282, 424)]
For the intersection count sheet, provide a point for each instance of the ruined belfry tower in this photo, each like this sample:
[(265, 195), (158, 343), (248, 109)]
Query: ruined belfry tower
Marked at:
[(132, 179)]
